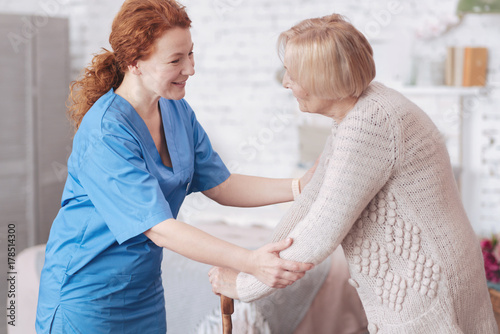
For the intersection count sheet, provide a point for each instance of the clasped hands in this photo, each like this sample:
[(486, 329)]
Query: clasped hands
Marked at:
[(265, 265)]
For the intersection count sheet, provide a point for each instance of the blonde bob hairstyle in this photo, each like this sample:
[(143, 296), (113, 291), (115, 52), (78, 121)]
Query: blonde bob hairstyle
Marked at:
[(328, 57)]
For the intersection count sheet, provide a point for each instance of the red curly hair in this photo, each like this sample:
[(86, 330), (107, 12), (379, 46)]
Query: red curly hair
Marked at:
[(134, 31)]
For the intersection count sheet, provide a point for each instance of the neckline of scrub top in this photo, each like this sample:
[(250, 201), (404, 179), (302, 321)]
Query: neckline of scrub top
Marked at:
[(169, 135), (146, 135)]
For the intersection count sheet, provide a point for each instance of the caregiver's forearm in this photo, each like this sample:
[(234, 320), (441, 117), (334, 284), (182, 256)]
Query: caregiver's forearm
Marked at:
[(250, 191), (198, 245)]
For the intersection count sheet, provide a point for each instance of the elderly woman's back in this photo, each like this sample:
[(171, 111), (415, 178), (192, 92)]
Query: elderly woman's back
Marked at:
[(429, 276)]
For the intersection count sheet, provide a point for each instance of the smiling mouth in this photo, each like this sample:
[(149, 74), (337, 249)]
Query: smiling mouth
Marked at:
[(180, 82)]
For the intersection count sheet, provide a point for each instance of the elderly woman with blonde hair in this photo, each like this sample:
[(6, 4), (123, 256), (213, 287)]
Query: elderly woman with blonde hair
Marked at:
[(383, 189)]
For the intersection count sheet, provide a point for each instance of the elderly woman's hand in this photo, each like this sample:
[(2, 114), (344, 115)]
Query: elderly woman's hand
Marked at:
[(223, 281), (266, 265)]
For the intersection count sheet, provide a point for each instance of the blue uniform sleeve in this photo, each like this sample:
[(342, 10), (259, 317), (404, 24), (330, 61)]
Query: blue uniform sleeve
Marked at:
[(125, 194), (209, 170)]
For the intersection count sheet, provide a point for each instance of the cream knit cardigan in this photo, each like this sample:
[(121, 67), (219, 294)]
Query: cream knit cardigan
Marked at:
[(384, 189)]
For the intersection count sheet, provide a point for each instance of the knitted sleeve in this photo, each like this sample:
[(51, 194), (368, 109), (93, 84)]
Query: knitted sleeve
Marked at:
[(356, 165)]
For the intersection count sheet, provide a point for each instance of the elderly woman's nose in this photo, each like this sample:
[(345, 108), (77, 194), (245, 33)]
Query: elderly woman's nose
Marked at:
[(286, 80)]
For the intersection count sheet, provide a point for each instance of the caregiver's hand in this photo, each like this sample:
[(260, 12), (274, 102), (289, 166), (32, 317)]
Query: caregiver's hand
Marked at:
[(266, 265), (304, 180)]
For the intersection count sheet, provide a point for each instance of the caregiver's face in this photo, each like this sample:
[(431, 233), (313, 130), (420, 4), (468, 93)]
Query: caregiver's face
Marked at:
[(307, 102), (167, 69)]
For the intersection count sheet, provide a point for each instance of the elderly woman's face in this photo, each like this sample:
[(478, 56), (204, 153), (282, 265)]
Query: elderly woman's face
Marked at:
[(307, 102)]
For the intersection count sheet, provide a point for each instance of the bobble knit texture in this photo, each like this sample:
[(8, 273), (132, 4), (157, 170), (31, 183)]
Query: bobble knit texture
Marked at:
[(384, 190)]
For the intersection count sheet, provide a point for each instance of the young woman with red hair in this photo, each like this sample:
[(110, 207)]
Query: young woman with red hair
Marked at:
[(137, 152)]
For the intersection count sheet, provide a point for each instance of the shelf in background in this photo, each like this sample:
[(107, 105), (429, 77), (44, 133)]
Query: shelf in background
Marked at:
[(440, 90)]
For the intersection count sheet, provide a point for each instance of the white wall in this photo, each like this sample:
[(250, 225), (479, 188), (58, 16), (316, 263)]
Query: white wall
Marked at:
[(252, 120)]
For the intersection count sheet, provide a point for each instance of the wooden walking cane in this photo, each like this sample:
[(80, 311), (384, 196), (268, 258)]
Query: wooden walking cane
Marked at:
[(227, 308)]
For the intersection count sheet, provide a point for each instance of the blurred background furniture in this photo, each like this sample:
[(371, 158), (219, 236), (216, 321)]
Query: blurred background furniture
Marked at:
[(35, 135), (495, 302), (35, 138)]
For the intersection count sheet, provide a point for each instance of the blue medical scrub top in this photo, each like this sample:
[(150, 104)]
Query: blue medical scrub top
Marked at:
[(101, 273)]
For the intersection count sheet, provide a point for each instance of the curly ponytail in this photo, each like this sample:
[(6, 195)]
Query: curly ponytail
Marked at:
[(99, 77), (136, 27)]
